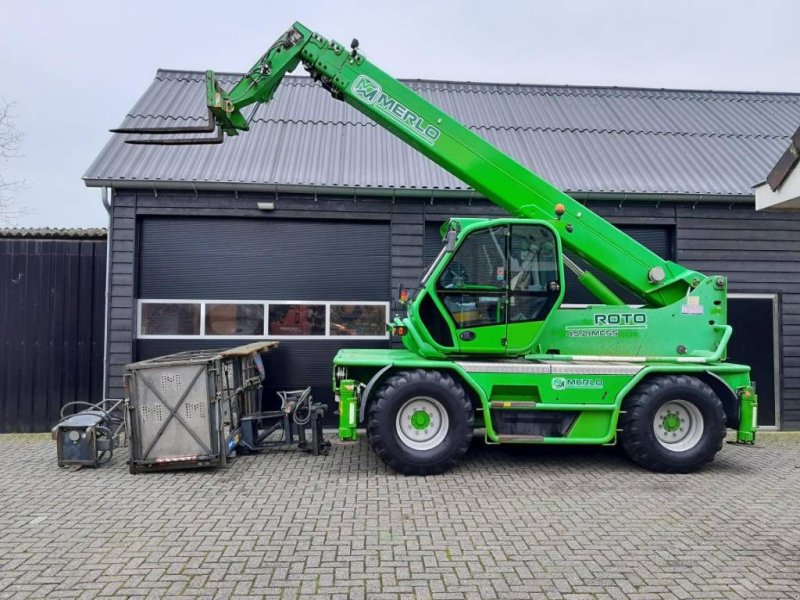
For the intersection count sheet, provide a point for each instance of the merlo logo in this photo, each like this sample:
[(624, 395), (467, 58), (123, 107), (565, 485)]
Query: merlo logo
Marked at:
[(366, 89), (371, 93), (559, 384)]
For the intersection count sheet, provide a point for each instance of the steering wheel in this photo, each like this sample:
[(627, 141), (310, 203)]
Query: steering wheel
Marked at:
[(454, 276)]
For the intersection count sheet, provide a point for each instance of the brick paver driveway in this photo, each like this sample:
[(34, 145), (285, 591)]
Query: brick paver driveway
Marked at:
[(567, 523)]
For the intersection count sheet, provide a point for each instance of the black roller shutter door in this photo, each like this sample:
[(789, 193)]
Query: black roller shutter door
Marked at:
[(260, 259), (265, 259)]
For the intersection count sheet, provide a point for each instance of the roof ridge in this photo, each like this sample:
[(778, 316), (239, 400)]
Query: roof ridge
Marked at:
[(600, 92), (461, 86)]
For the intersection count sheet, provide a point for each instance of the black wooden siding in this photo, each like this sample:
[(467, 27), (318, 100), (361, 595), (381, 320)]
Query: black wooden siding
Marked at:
[(52, 297), (759, 252)]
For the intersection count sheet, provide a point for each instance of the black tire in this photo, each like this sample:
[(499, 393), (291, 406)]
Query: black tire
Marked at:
[(640, 439), (382, 420)]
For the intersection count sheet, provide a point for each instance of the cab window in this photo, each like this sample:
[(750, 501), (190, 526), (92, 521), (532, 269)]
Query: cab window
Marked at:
[(500, 275), (473, 284), (533, 278)]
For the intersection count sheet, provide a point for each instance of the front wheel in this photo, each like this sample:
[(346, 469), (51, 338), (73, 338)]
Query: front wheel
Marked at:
[(420, 422), (672, 424)]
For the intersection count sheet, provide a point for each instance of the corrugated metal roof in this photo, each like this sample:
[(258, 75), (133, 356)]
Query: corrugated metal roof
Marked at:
[(53, 233), (583, 139)]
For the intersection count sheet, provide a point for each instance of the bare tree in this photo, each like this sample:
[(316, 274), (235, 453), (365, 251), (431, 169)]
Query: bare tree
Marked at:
[(9, 146)]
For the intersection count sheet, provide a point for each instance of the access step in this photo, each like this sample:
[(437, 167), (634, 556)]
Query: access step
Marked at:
[(521, 438), (513, 405)]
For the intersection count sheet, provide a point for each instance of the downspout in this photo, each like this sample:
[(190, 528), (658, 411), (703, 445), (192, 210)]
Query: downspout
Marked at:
[(106, 197)]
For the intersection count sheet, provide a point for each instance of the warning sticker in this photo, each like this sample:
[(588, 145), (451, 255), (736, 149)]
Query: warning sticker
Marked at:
[(692, 309)]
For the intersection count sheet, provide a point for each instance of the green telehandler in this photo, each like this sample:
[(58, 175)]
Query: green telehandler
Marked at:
[(487, 342)]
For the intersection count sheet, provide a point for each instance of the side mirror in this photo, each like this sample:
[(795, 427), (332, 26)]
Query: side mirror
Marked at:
[(450, 240)]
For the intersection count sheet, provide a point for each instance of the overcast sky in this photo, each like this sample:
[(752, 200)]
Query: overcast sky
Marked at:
[(73, 69)]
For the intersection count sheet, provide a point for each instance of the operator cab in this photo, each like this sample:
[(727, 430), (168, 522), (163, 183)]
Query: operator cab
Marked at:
[(491, 290)]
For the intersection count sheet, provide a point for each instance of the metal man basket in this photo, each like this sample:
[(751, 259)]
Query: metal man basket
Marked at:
[(184, 410)]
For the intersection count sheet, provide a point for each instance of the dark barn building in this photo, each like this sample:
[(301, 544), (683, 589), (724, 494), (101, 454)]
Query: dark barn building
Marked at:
[(302, 229)]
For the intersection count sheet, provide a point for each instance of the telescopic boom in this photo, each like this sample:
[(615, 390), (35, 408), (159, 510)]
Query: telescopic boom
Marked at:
[(355, 80)]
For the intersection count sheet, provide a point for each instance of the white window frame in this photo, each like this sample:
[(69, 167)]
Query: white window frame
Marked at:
[(233, 337), (140, 335), (265, 334), (328, 335)]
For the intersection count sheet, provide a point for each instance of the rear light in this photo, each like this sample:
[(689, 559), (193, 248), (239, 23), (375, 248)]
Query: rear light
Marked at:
[(400, 330)]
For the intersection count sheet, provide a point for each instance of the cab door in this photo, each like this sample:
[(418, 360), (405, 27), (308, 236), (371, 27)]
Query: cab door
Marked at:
[(534, 284), (473, 290)]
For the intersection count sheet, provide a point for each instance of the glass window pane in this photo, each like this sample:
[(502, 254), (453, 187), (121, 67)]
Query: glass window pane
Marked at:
[(528, 307), (534, 282), (297, 319), (474, 310), (170, 319), (358, 319), (533, 259), (234, 319), (479, 263)]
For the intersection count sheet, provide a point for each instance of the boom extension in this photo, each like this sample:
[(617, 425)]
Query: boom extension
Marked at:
[(225, 108)]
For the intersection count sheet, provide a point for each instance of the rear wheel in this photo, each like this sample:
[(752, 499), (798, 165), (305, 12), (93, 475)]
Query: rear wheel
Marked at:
[(420, 422), (672, 424)]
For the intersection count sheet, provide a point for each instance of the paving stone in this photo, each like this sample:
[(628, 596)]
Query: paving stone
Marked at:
[(549, 523)]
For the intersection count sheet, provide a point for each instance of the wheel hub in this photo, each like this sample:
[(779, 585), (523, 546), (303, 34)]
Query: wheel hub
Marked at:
[(420, 420), (671, 422)]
